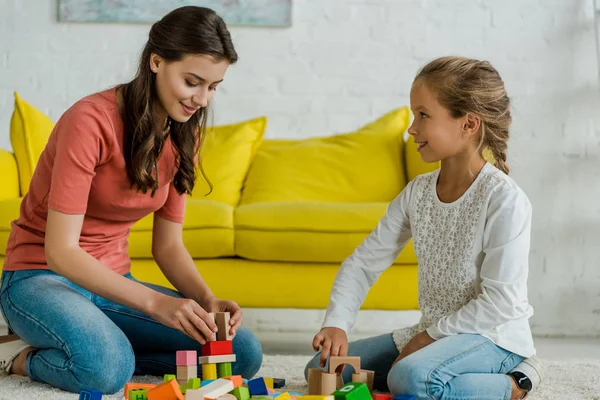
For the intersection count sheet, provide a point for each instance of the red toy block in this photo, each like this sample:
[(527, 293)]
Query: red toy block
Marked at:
[(167, 391), (187, 358), (217, 348), (382, 397)]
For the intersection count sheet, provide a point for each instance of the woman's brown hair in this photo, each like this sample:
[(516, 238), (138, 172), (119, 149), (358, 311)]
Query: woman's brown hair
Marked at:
[(183, 31)]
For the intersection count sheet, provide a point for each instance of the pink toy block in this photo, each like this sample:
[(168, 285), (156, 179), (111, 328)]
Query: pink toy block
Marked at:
[(187, 358)]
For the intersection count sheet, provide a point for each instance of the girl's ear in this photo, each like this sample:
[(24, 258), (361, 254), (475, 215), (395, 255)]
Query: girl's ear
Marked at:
[(471, 124)]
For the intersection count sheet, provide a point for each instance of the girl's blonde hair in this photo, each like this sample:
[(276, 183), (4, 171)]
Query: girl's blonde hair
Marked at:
[(464, 85)]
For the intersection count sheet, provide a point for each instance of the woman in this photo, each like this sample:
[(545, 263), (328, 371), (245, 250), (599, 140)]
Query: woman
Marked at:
[(114, 157)]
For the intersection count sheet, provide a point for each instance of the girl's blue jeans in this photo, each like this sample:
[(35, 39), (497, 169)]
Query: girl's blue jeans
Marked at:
[(459, 367), (86, 341)]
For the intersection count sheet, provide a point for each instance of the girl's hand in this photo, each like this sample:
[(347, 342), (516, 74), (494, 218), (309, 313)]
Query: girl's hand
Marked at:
[(235, 319), (185, 315), (415, 344), (334, 342)]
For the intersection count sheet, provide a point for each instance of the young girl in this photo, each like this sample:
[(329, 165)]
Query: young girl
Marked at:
[(113, 158), (471, 226)]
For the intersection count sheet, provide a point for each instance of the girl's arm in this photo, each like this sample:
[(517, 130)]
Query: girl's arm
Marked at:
[(364, 266), (504, 269)]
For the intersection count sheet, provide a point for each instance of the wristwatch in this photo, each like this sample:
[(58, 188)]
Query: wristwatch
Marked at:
[(523, 382)]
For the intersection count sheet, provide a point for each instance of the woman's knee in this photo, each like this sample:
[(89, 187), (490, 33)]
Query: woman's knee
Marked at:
[(407, 377), (248, 351)]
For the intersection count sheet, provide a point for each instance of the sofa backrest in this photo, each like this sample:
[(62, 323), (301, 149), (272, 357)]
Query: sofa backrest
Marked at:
[(9, 176)]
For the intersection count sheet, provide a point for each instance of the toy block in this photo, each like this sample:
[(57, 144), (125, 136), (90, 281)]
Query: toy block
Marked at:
[(316, 397), (278, 383), (222, 321), (218, 348), (131, 385), (283, 396), (336, 362), (370, 378), (90, 394), (241, 393), (138, 394), (257, 387), (184, 374), (359, 377), (353, 391), (227, 396), (328, 383), (166, 391), (223, 370), (209, 371), (217, 359), (296, 394), (213, 390), (269, 390), (405, 397), (236, 379), (186, 358), (204, 383), (314, 381), (382, 397), (169, 377), (269, 382), (193, 383)]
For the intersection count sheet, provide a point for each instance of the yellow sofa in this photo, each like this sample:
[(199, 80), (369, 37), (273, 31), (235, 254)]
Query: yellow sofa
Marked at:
[(283, 214)]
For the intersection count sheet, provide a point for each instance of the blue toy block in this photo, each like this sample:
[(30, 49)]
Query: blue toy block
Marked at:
[(90, 394), (405, 397), (206, 382), (278, 383), (257, 387)]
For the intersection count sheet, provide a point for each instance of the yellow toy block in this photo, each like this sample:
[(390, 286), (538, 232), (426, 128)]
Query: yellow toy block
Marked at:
[(209, 372), (269, 383)]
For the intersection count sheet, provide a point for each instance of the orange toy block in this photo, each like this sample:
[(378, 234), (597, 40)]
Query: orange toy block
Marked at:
[(167, 391), (236, 379), (132, 385), (222, 321)]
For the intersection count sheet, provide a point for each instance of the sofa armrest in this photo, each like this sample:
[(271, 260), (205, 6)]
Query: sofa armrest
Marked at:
[(9, 176)]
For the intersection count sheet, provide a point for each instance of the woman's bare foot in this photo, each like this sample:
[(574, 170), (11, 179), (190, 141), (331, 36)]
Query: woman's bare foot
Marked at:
[(19, 363), (517, 392)]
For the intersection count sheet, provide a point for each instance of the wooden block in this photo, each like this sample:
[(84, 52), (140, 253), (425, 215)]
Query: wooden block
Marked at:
[(335, 362), (186, 358), (138, 394), (353, 391), (359, 377), (184, 374), (236, 379), (209, 372), (132, 385), (217, 359), (382, 397), (213, 390), (370, 378), (257, 387), (328, 383), (241, 393), (222, 321), (223, 370), (314, 381), (217, 348), (316, 397), (269, 382), (166, 391), (90, 394), (278, 383)]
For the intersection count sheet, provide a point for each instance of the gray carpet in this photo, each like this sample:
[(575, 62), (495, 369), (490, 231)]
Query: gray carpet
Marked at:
[(572, 380)]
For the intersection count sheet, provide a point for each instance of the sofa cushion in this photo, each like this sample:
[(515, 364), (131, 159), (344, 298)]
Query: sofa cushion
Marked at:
[(359, 167), (226, 156), (29, 133), (9, 212), (307, 231), (207, 231), (9, 176)]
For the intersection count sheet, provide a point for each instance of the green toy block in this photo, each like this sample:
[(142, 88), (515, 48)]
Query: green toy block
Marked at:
[(138, 394), (192, 383), (241, 393), (353, 391), (223, 370), (168, 378)]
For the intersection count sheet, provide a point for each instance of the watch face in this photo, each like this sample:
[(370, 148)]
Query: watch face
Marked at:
[(523, 381)]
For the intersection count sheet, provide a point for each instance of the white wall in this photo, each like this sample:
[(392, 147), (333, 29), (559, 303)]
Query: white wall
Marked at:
[(344, 63)]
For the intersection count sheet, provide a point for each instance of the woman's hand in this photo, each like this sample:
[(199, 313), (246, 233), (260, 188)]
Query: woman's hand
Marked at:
[(334, 342), (185, 315), (415, 344), (214, 305)]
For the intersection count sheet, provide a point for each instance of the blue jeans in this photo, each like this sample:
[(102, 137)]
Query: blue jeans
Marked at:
[(460, 367), (86, 341)]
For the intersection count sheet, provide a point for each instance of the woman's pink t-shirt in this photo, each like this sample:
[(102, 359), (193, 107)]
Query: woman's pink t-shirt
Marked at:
[(82, 171)]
